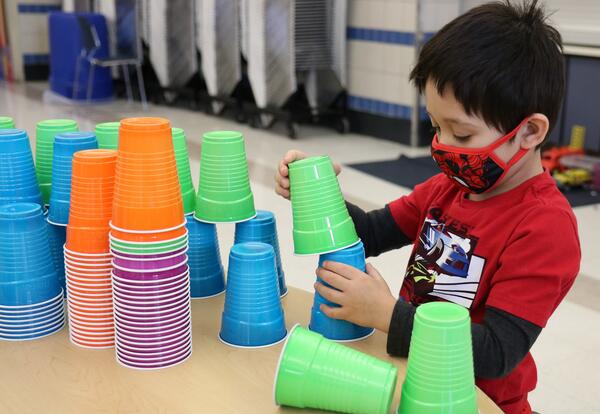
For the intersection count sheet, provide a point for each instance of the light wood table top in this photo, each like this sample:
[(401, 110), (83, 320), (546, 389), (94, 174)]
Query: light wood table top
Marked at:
[(51, 375)]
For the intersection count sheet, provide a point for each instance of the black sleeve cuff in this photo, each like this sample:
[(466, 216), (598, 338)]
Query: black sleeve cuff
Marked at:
[(400, 331)]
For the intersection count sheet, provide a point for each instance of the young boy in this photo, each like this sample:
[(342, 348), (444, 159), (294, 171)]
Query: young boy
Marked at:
[(491, 233)]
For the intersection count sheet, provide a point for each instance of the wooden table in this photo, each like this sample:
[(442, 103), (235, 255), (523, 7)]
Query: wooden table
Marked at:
[(51, 375)]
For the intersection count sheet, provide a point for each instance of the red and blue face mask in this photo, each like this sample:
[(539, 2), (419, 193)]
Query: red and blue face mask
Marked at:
[(475, 170)]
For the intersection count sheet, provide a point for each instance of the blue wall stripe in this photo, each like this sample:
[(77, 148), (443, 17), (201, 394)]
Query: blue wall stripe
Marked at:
[(38, 8), (383, 36), (36, 58), (378, 107)]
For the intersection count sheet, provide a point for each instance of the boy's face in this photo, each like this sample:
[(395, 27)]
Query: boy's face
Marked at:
[(456, 128)]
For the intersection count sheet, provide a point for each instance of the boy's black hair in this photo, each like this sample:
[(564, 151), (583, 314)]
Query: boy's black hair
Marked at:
[(503, 62)]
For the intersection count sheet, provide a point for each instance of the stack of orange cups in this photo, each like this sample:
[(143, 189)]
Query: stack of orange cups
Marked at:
[(148, 240), (87, 251)]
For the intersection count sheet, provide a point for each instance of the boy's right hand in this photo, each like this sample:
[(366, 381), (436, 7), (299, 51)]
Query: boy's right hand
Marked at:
[(282, 181)]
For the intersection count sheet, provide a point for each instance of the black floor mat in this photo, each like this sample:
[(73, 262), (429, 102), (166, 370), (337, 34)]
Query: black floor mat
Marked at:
[(408, 172)]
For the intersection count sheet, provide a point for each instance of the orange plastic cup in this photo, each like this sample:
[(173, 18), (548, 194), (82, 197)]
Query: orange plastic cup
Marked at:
[(148, 237), (145, 135), (91, 240)]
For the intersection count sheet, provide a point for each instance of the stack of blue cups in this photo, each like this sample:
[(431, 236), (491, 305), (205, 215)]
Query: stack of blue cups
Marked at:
[(336, 329), (18, 181), (66, 144), (252, 316), (263, 228), (31, 299), (204, 259)]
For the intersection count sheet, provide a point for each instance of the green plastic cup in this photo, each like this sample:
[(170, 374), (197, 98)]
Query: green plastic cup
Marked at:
[(446, 383), (322, 223), (224, 192), (315, 372), (45, 132), (107, 134), (188, 193), (6, 122)]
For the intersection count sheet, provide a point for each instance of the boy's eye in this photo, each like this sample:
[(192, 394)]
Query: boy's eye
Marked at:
[(464, 138)]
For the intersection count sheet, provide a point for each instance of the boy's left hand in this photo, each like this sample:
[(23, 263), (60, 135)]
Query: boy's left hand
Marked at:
[(365, 298)]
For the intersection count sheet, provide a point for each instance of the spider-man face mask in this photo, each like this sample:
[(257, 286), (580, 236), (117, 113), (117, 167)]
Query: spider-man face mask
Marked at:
[(475, 170)]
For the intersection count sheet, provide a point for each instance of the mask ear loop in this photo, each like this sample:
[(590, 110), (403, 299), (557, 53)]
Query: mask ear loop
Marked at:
[(515, 158)]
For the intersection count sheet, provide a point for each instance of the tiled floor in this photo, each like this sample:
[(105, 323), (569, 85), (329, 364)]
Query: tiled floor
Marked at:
[(566, 352)]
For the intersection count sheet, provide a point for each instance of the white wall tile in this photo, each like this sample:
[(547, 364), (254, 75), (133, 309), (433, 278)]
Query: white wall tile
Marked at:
[(400, 15), (380, 86), (436, 13), (366, 13), (34, 33)]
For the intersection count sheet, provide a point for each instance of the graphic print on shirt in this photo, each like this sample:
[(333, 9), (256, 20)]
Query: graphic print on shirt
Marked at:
[(442, 264)]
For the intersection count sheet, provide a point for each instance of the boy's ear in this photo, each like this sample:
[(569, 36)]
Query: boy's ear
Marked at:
[(534, 131)]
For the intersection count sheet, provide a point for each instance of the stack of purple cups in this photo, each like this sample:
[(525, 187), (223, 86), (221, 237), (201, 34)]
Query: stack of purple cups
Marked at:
[(149, 243)]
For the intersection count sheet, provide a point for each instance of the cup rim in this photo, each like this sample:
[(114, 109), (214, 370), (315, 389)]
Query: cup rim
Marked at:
[(172, 256), (171, 288), (150, 314), (51, 316), (123, 280), (57, 327), (177, 301), (120, 241), (179, 351), (156, 350), (19, 308), (26, 332), (178, 313), (127, 299), (99, 255), (162, 269)]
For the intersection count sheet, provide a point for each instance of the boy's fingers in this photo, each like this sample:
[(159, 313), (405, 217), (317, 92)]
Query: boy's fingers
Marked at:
[(293, 155), (344, 270), (335, 313), (330, 294), (371, 271), (333, 279), (337, 168)]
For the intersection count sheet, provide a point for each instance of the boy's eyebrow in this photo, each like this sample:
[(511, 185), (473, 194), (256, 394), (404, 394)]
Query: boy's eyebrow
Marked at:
[(453, 120)]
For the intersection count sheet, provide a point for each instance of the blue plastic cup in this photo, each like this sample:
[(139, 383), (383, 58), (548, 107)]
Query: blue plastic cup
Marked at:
[(27, 274), (36, 334), (18, 181), (263, 228), (336, 329), (65, 145), (57, 236), (251, 320), (204, 259)]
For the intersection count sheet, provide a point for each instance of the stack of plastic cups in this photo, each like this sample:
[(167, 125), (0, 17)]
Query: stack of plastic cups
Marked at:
[(31, 300), (224, 193), (206, 271), (148, 239), (6, 122), (18, 182), (337, 329), (263, 228), (314, 372), (182, 159), (87, 252), (322, 223), (44, 149), (65, 145), (107, 134), (253, 316), (439, 376)]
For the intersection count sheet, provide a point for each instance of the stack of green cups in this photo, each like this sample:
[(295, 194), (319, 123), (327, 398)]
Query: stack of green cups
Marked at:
[(440, 377), (315, 372), (45, 132), (6, 122), (188, 194), (107, 135), (224, 193), (322, 223)]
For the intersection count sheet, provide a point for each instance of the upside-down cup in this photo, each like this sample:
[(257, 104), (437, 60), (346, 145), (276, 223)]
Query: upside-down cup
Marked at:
[(108, 135)]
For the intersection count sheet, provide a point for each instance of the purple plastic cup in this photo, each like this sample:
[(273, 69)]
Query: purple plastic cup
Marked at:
[(160, 313), (153, 366), (182, 296), (159, 353), (116, 252), (152, 347), (154, 320), (166, 330), (156, 295), (156, 275), (151, 290), (157, 349), (161, 324), (153, 338), (148, 285), (150, 265), (156, 357)]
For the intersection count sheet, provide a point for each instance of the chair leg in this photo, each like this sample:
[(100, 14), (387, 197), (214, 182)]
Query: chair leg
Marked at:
[(76, 80), (141, 86), (90, 83), (127, 83)]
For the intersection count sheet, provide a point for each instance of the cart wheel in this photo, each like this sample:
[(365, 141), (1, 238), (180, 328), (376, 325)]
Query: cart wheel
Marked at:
[(255, 121), (292, 129), (343, 125)]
